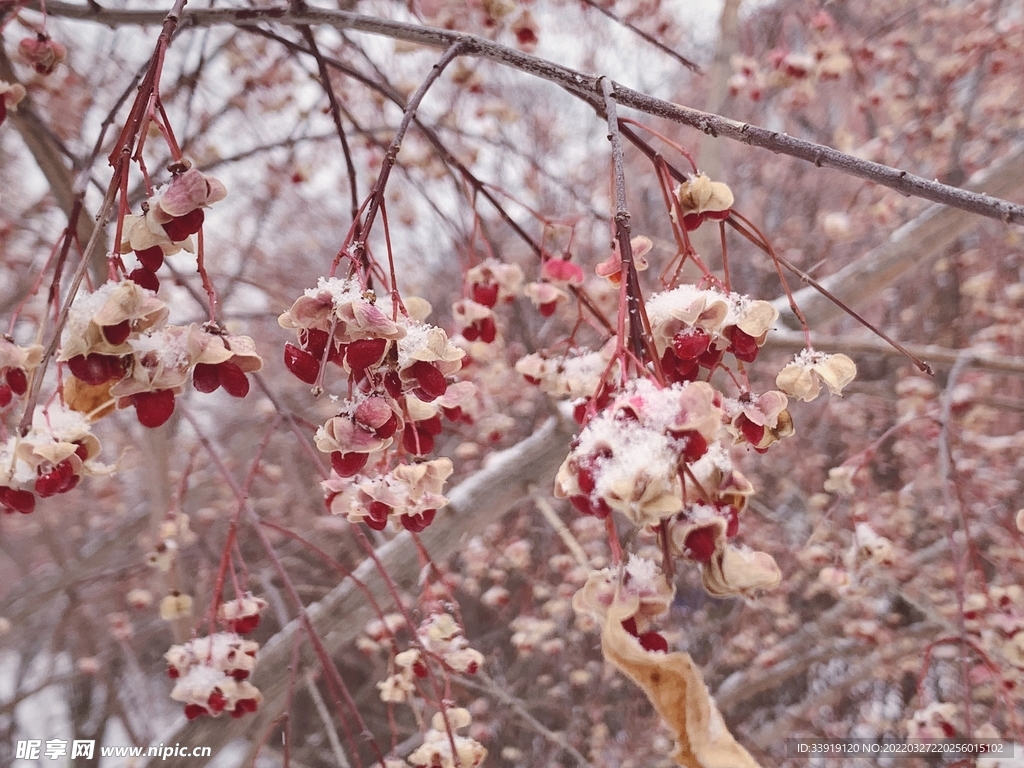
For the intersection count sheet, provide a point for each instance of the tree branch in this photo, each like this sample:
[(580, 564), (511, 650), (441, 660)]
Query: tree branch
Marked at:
[(338, 618), (586, 87), (918, 241)]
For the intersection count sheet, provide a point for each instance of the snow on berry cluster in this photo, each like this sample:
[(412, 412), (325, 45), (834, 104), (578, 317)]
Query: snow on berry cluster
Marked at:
[(440, 639), (16, 364), (210, 675), (409, 495), (652, 454), (120, 351), (654, 448), (169, 219), (436, 749), (50, 459), (397, 370), (693, 329)]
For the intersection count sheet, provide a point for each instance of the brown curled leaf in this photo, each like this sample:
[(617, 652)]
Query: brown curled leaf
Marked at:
[(677, 691)]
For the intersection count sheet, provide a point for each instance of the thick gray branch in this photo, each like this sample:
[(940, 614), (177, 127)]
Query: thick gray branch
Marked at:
[(339, 617), (920, 240), (582, 85)]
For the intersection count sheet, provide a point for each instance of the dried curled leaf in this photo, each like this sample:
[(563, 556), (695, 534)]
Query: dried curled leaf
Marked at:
[(677, 691), (740, 571)]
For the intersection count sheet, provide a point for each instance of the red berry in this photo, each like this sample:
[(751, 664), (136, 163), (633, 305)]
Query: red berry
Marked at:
[(81, 451), (431, 381), (17, 380), (314, 341), (431, 426), (239, 674), (173, 673), (547, 309), (205, 377), (6, 395), (216, 702), (488, 330), (597, 507), (348, 464), (378, 515), (471, 332), (60, 479), (17, 500), (145, 279), (700, 543), (151, 258), (387, 429), (752, 433), (245, 624), (363, 353), (741, 344), (233, 379), (96, 369), (453, 414), (393, 384), (694, 446), (689, 345), (417, 523), (486, 294), (419, 669), (181, 227), (732, 516), (711, 358), (692, 220), (630, 626), (153, 408), (192, 711), (119, 333), (243, 706), (579, 411), (305, 367), (652, 641), (416, 440), (718, 215)]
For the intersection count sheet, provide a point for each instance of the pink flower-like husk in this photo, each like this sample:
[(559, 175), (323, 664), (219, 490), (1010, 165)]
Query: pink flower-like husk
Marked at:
[(342, 434), (186, 192)]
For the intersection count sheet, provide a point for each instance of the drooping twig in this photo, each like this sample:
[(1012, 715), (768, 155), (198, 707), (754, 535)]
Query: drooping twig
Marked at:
[(629, 295), (332, 98), (644, 36), (391, 156), (119, 159), (580, 84)]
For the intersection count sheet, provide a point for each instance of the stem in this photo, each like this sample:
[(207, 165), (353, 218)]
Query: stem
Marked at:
[(629, 284), (583, 86), (391, 156)]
